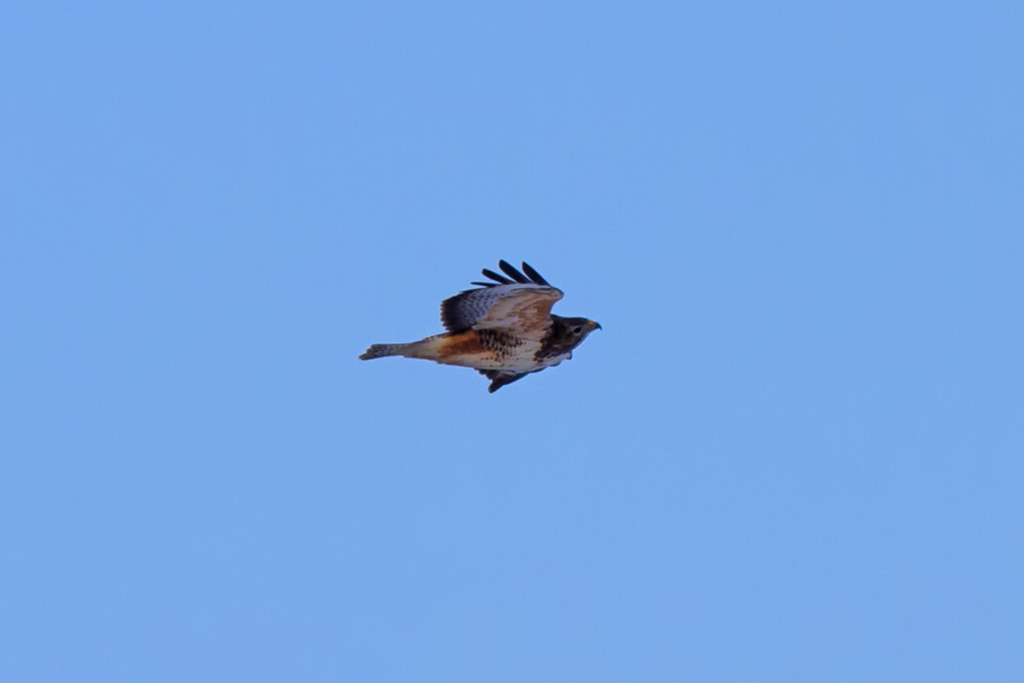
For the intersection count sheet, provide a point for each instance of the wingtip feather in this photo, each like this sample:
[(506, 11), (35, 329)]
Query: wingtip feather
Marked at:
[(511, 271), (534, 275), (494, 276)]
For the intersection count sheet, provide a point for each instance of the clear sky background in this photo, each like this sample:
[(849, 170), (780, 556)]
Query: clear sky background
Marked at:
[(794, 453)]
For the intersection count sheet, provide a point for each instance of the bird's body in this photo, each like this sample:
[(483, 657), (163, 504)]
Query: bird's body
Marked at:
[(504, 329)]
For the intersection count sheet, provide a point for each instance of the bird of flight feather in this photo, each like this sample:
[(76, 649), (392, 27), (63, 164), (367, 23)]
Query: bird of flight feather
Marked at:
[(503, 329)]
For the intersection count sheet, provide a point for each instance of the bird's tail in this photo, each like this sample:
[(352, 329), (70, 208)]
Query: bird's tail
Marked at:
[(385, 350), (427, 349)]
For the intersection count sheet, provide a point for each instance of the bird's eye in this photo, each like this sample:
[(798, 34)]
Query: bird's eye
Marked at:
[(577, 330)]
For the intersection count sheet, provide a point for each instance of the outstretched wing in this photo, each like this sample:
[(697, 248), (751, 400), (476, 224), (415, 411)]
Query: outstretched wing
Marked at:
[(520, 305)]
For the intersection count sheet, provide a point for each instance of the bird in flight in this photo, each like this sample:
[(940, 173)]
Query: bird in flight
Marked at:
[(503, 329)]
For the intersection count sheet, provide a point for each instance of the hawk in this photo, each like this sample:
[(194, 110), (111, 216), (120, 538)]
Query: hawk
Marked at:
[(503, 329)]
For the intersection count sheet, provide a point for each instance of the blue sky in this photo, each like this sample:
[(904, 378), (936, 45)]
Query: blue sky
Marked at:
[(794, 452)]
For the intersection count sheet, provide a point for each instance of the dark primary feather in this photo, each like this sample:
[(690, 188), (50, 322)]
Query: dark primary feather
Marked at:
[(511, 271), (494, 276), (534, 275)]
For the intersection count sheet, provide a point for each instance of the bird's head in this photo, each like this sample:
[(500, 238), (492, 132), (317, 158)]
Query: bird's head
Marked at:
[(574, 330)]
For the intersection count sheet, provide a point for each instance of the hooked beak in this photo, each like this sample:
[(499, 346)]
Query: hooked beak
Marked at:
[(594, 325)]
